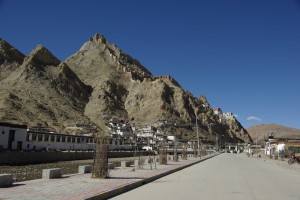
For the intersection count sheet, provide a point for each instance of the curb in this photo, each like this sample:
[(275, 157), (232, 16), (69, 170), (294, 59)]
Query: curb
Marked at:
[(131, 186)]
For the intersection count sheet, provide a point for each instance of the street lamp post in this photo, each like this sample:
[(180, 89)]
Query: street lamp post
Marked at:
[(221, 141), (175, 156), (198, 141), (217, 143), (256, 147), (217, 137)]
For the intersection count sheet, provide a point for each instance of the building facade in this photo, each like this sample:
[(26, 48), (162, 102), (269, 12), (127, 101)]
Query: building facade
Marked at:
[(12, 136)]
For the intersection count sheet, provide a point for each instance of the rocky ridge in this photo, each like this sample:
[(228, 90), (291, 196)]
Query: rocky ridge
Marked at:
[(263, 131), (43, 91), (96, 83)]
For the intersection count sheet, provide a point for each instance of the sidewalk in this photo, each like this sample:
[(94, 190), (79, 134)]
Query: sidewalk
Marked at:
[(82, 186)]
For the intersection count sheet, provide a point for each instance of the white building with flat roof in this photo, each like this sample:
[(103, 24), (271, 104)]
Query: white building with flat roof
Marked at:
[(218, 111), (18, 137), (12, 136), (228, 115), (120, 129)]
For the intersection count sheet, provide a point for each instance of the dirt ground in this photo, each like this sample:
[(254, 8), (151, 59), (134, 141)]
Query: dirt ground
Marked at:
[(30, 172)]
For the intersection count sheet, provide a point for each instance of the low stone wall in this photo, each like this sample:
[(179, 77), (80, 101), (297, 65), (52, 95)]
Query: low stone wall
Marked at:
[(20, 158), (23, 158)]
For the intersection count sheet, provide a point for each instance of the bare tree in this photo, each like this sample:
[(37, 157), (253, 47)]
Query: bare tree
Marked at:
[(195, 150), (184, 152), (163, 155), (100, 165), (175, 155)]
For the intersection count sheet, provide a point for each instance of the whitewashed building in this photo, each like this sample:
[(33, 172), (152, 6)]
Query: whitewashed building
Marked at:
[(163, 123), (84, 129), (273, 146), (18, 137), (120, 129), (228, 115), (147, 135), (56, 141), (218, 111), (147, 132), (12, 136)]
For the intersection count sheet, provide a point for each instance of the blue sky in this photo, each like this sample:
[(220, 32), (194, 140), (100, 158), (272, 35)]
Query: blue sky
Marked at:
[(243, 55)]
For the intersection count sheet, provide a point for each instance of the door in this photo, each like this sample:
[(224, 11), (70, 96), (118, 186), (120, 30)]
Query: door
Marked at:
[(11, 138), (19, 145)]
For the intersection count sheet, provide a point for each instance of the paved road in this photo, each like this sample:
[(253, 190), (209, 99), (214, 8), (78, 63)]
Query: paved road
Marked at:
[(227, 176)]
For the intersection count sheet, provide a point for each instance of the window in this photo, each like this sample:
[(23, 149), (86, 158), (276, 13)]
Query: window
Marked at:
[(68, 139), (73, 139), (33, 137), (40, 137), (63, 138), (52, 138), (57, 138), (46, 138)]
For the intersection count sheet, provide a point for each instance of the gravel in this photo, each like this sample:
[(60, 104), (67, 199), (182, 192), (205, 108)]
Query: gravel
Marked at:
[(30, 172)]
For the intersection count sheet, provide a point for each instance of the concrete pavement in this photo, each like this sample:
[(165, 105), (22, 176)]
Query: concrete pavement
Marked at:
[(226, 177), (82, 186)]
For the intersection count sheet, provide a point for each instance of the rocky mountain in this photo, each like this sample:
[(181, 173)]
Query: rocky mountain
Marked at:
[(10, 59), (42, 91), (263, 131), (96, 83)]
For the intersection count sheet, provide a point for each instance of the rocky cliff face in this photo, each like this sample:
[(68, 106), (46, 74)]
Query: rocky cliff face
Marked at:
[(96, 83)]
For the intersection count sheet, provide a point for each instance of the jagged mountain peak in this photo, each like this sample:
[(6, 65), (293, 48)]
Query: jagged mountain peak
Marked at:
[(4, 46), (42, 56), (99, 43), (98, 38), (9, 53), (98, 57)]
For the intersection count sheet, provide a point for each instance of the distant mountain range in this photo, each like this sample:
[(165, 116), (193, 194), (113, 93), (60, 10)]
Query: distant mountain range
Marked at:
[(262, 131), (97, 83)]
